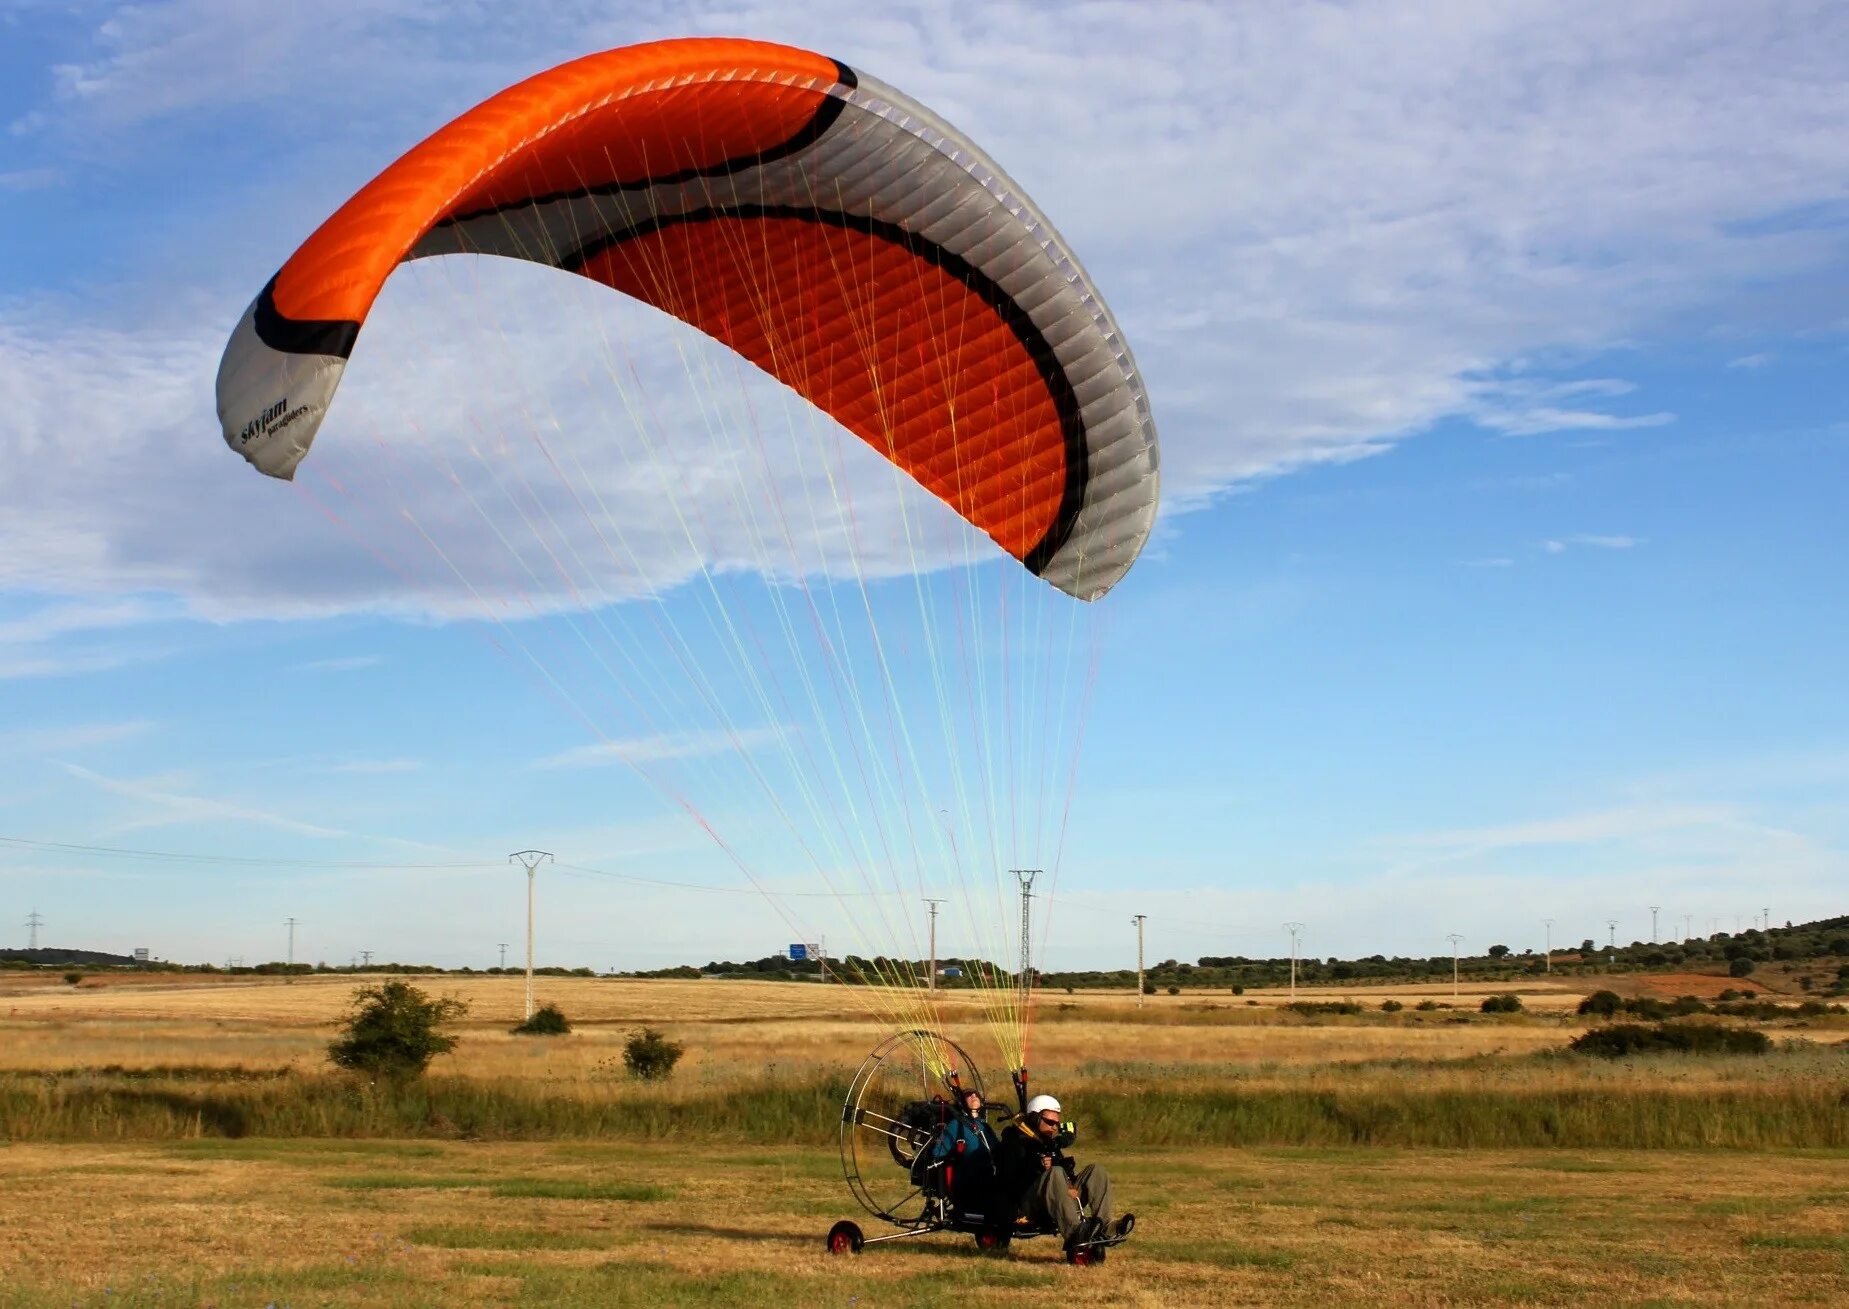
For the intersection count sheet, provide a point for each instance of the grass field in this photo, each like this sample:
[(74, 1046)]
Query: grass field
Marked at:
[(180, 1142), (389, 1223)]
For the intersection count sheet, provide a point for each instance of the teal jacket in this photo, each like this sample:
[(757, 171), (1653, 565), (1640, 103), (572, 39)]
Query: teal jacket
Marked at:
[(975, 1136)]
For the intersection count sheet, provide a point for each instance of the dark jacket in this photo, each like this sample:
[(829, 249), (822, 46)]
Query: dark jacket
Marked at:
[(1019, 1166)]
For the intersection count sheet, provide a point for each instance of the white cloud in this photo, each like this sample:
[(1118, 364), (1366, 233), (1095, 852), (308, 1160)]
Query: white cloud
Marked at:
[(55, 620), (1759, 360), (1325, 229), (1586, 828), (339, 664), (38, 741), (668, 746), (29, 179), (160, 804), (1560, 545)]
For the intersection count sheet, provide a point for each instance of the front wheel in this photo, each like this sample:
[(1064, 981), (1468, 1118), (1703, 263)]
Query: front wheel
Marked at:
[(993, 1241), (845, 1238)]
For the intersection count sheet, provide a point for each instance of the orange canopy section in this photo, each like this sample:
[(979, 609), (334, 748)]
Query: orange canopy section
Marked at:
[(820, 224)]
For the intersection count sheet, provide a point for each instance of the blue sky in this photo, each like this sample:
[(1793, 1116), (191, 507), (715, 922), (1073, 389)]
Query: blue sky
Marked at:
[(1497, 359)]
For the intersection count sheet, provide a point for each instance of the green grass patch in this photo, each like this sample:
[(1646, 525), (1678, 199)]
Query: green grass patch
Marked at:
[(1800, 1241), (471, 1236), (1748, 1204), (308, 1151), (550, 1188), (625, 1284), (1790, 1102), (1548, 1164), (407, 1182)]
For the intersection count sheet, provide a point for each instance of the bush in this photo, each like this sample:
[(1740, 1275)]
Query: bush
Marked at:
[(1730, 994), (1602, 1004), (391, 1031), (1740, 968), (1427, 1006), (1624, 1039), (651, 1056), (72, 979), (1240, 990), (547, 1020), (1502, 1004), (1174, 990), (1391, 1006), (1310, 1007)]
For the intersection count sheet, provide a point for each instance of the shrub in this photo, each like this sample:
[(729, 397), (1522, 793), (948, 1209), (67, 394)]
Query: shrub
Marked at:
[(1309, 1007), (1240, 990), (72, 979), (1603, 1004), (1740, 968), (1174, 990), (1391, 1006), (1427, 1006), (1730, 994), (547, 1020), (651, 1056), (1502, 1004), (1623, 1039), (391, 1031)]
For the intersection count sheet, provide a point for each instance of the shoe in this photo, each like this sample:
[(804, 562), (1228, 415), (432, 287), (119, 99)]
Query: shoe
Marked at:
[(1123, 1226)]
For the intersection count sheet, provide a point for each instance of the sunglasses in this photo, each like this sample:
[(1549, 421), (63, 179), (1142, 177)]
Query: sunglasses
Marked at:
[(1047, 1122)]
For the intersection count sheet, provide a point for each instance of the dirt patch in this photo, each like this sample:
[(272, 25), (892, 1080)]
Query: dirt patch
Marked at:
[(1703, 986)]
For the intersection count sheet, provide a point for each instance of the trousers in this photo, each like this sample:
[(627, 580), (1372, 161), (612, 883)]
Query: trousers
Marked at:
[(1052, 1201)]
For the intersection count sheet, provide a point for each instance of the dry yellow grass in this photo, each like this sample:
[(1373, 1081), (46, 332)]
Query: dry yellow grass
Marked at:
[(391, 1224), (730, 1028)]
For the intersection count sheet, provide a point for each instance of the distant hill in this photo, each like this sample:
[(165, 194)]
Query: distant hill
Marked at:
[(53, 956)]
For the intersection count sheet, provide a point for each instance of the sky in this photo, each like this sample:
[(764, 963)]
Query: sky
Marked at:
[(1497, 355)]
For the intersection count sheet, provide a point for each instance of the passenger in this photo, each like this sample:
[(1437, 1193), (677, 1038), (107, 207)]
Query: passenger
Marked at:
[(967, 1144)]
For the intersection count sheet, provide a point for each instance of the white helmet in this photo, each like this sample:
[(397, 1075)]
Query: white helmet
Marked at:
[(1042, 1104)]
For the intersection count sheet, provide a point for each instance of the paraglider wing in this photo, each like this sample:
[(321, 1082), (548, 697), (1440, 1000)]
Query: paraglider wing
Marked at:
[(825, 227)]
